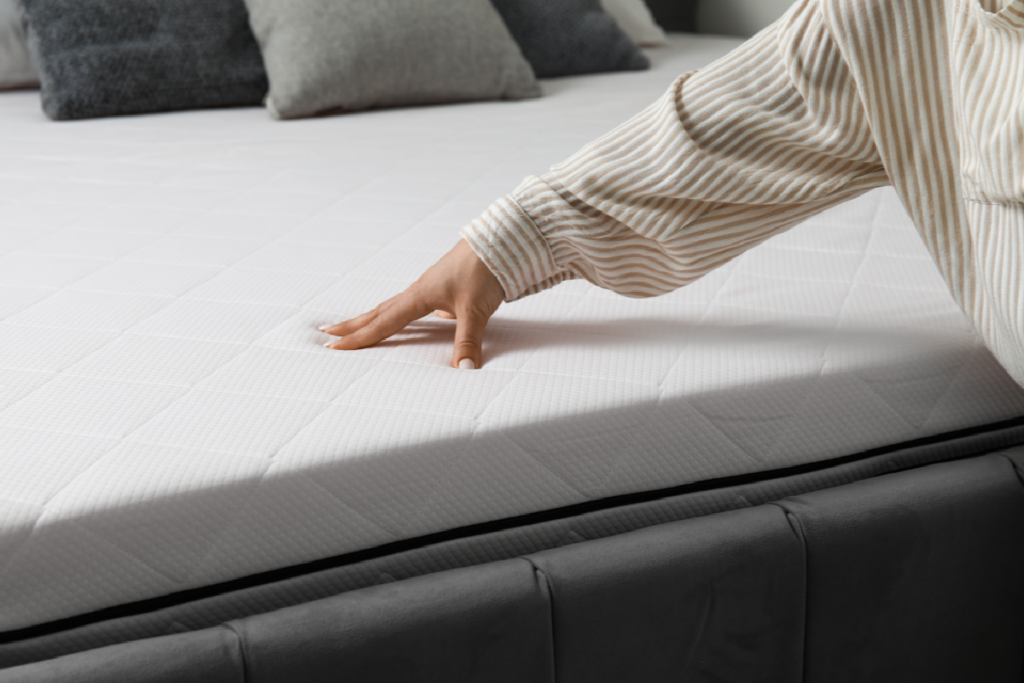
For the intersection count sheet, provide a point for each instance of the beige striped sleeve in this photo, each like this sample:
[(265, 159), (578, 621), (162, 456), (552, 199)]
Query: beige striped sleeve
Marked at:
[(948, 120), (835, 98), (729, 156)]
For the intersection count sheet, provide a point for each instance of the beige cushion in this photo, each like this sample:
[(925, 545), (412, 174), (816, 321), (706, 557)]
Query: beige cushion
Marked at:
[(636, 20)]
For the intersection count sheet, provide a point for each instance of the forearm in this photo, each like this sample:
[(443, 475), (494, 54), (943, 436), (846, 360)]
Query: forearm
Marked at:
[(729, 156)]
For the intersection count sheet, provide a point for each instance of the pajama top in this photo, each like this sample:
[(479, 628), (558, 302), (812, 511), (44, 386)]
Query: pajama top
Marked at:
[(834, 99)]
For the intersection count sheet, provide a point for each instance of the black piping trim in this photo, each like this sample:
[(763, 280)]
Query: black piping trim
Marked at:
[(182, 597)]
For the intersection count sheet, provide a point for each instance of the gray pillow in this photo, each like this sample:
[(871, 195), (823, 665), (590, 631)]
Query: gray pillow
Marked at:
[(324, 55), (107, 57), (15, 68), (568, 37)]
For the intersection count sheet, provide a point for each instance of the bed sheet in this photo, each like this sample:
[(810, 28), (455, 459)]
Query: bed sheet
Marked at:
[(169, 418)]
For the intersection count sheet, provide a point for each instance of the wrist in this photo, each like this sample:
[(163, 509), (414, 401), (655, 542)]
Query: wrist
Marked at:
[(513, 249)]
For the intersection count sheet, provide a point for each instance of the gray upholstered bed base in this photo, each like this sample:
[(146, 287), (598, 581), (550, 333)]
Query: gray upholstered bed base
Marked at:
[(850, 574), (911, 576)]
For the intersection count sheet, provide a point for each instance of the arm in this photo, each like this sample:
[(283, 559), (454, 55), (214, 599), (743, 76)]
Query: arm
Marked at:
[(729, 156)]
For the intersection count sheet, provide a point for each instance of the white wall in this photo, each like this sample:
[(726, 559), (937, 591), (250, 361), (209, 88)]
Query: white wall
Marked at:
[(739, 17)]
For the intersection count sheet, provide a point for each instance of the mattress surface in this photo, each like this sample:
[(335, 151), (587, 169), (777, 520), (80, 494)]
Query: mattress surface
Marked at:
[(169, 418)]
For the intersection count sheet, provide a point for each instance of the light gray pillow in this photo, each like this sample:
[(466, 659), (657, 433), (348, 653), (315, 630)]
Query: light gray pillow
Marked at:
[(15, 68), (324, 55)]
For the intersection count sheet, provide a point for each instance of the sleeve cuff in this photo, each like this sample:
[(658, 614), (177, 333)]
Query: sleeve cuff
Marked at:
[(512, 246)]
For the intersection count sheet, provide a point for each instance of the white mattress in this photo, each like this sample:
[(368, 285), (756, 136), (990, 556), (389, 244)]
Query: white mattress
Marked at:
[(169, 418)]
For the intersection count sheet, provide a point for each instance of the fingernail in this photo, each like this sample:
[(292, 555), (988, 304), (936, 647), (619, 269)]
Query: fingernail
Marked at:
[(328, 344), (324, 328), (467, 364)]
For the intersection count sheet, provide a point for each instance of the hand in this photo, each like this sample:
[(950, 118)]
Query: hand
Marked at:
[(458, 286)]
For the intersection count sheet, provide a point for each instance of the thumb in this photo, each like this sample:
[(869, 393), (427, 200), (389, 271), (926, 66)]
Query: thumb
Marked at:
[(469, 338)]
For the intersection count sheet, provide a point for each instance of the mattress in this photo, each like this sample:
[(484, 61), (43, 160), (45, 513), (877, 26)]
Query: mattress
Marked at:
[(170, 420)]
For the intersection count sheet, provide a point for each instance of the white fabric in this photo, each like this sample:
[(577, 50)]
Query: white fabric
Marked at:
[(15, 67), (636, 20), (169, 418)]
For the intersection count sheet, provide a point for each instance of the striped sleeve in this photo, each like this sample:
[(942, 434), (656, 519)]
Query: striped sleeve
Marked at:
[(755, 143), (835, 98), (949, 126)]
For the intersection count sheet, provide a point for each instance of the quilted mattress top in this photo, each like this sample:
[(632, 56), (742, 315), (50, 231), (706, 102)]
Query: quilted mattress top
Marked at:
[(169, 418)]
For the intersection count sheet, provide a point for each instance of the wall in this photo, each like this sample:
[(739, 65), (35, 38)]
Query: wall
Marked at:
[(738, 17)]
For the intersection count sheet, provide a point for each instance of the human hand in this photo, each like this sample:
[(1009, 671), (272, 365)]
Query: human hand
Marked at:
[(458, 286)]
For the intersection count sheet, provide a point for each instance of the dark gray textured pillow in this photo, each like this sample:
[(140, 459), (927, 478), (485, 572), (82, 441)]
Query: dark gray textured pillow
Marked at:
[(675, 15), (568, 37), (108, 57), (325, 55)]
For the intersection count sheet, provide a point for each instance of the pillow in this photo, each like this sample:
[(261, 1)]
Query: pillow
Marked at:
[(635, 19), (107, 57), (329, 55), (567, 37), (15, 68)]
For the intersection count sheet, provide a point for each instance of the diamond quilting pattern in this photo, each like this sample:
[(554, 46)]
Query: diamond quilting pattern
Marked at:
[(170, 419), (92, 407), (44, 270), (47, 462), (256, 425), (136, 358), (16, 385), (47, 349), (89, 311)]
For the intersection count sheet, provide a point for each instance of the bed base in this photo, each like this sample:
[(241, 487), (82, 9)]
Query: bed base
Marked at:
[(912, 575)]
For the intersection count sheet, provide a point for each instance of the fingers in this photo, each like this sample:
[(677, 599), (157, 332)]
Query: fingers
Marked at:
[(377, 325), (469, 339), (360, 321), (351, 325)]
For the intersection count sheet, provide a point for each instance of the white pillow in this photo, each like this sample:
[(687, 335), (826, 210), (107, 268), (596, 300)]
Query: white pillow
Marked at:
[(15, 68), (635, 19)]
